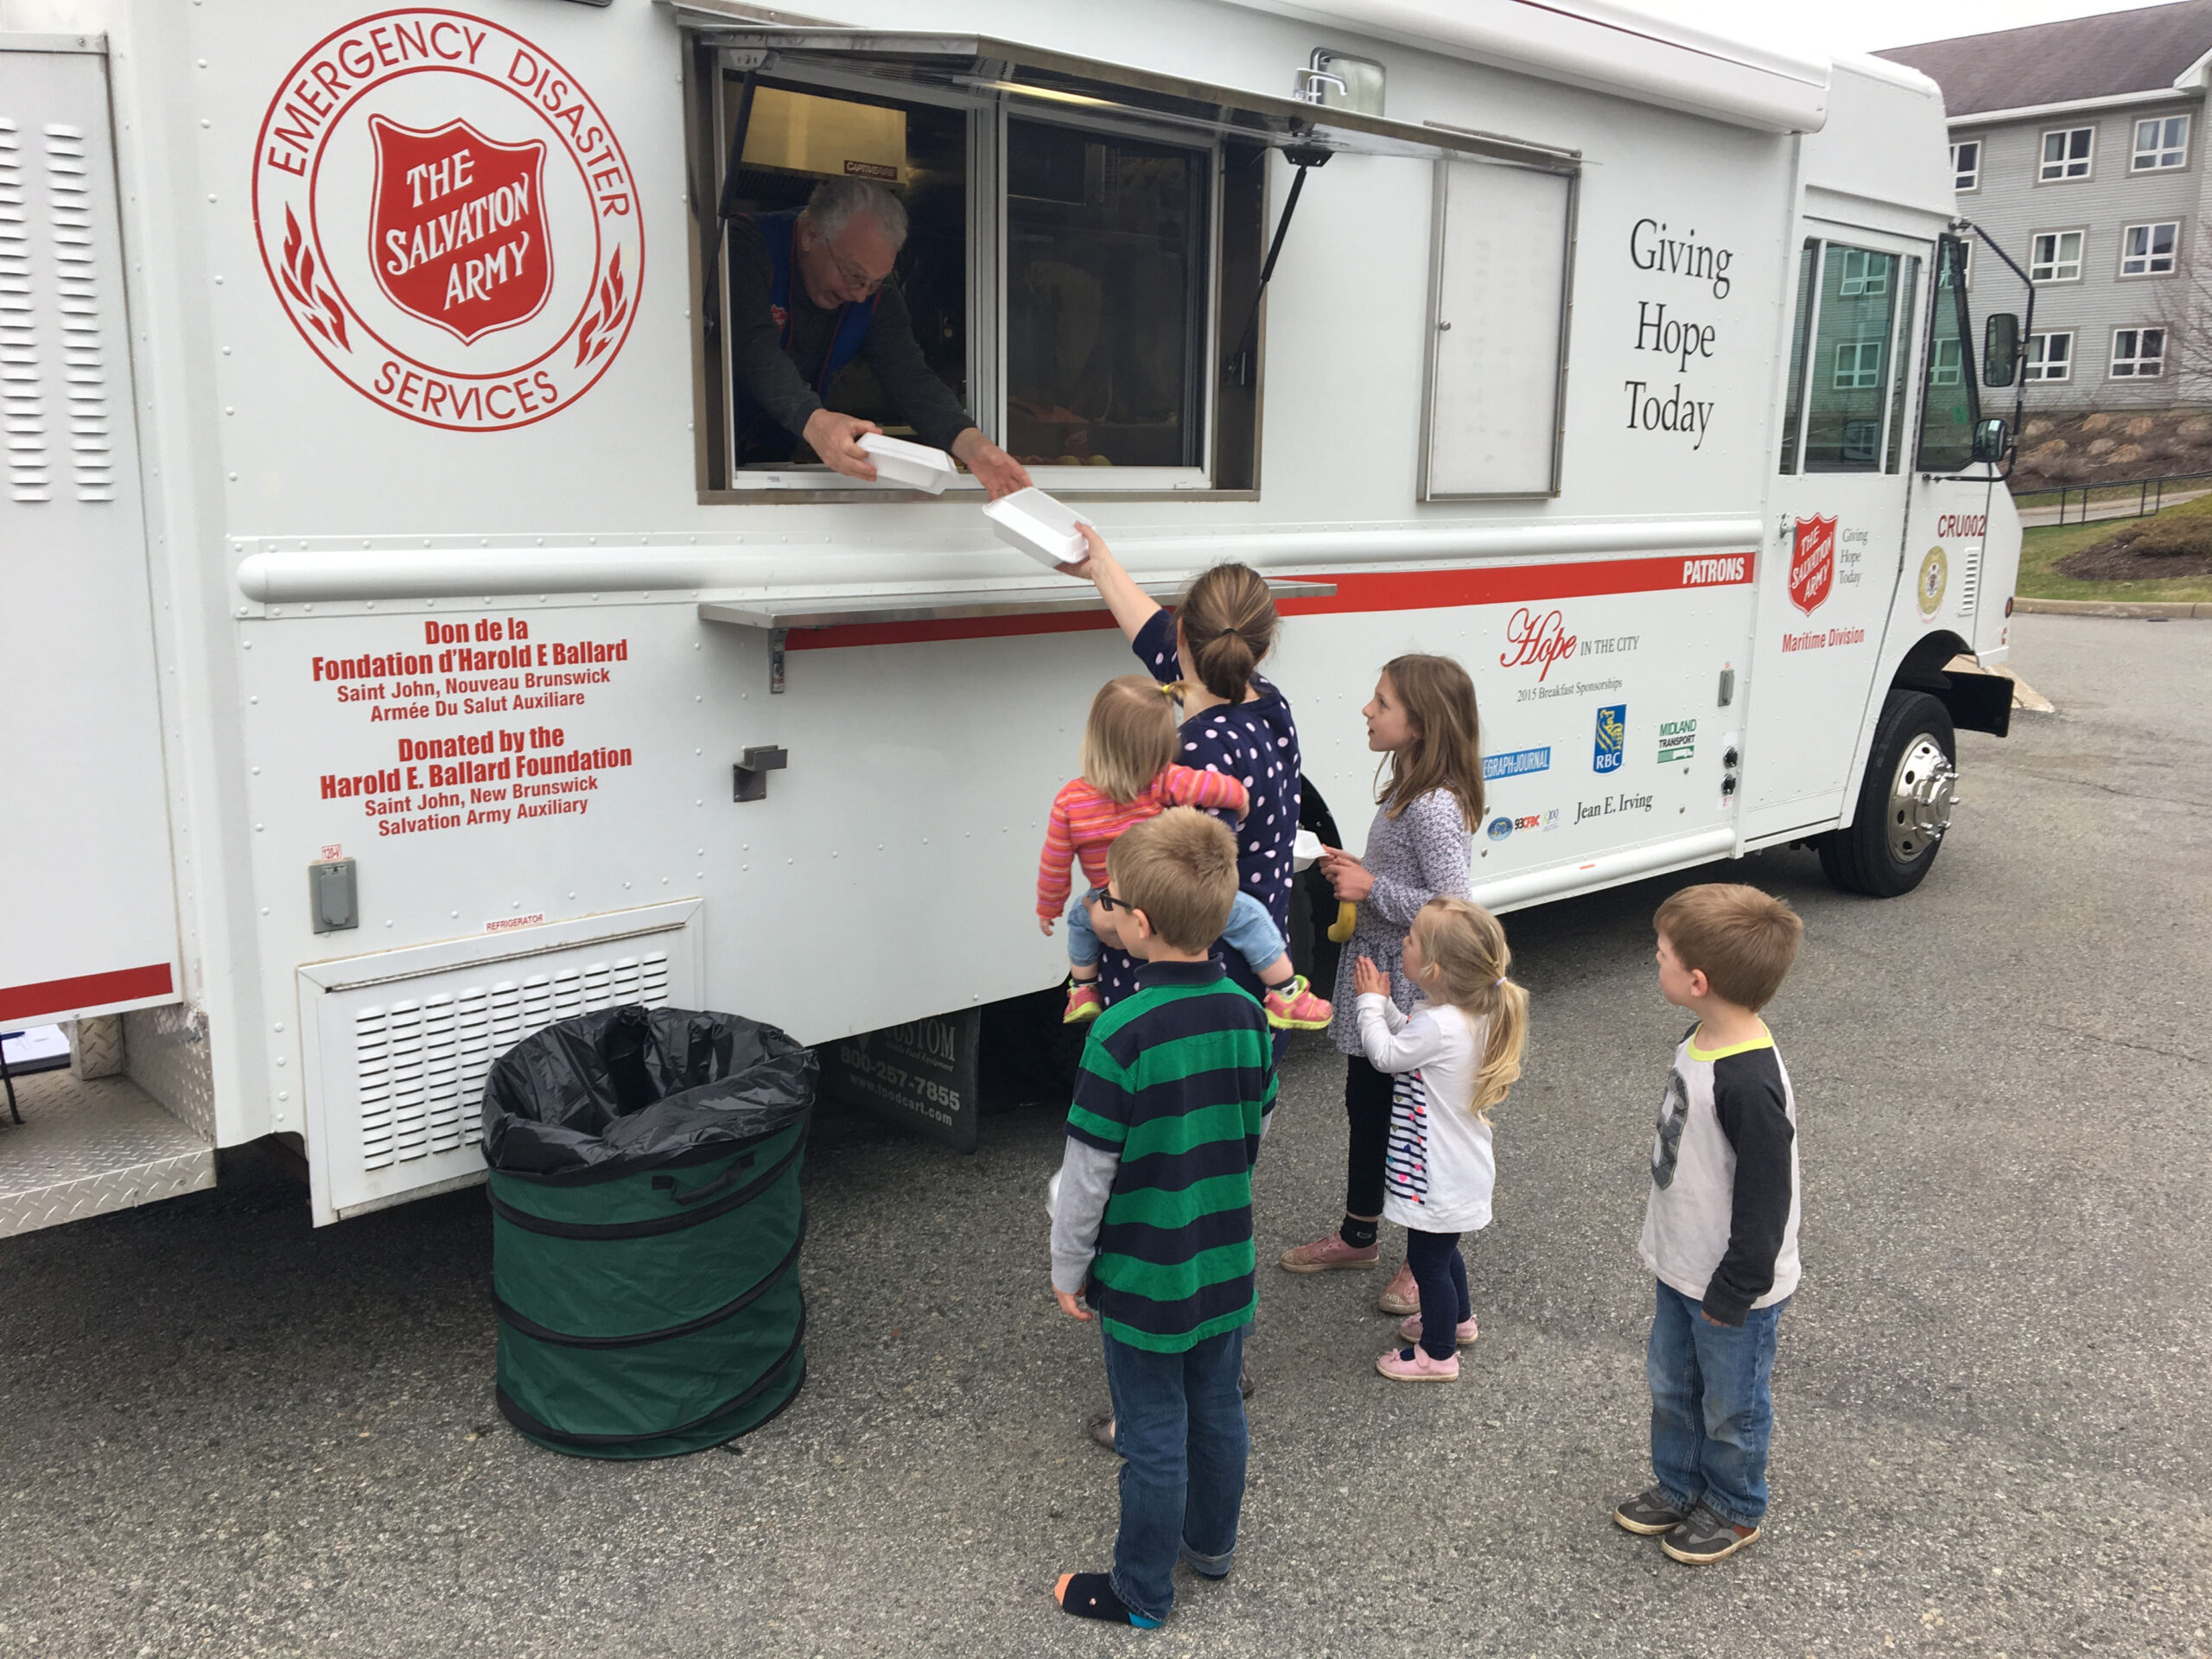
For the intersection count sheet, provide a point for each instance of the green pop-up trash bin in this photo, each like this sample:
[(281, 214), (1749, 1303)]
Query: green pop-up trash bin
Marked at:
[(645, 1232)]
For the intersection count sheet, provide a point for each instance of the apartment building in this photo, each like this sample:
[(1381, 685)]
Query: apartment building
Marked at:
[(2079, 147)]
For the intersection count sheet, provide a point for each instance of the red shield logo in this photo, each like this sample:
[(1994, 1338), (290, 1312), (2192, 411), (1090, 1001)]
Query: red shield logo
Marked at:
[(457, 230), (1812, 563)]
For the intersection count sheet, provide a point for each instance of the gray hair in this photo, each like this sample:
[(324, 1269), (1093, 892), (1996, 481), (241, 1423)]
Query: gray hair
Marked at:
[(837, 202)]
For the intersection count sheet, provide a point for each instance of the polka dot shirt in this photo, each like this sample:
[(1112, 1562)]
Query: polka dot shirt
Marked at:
[(1256, 742)]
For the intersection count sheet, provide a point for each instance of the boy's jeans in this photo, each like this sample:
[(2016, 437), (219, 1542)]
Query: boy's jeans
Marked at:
[(1178, 1423), (1251, 933), (1711, 1412)]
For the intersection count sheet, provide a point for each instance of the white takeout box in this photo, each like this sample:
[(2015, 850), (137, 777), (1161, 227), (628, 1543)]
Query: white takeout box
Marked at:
[(914, 465), (1039, 526), (1304, 851)]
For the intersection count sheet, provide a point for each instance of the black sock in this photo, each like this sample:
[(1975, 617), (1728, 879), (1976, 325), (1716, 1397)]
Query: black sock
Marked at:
[(1360, 1235), (1079, 979), (1091, 1595)]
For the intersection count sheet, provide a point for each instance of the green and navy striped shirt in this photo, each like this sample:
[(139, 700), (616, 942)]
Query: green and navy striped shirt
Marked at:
[(1175, 1079)]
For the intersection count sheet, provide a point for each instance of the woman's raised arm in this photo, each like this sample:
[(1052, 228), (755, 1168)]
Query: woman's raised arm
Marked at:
[(1132, 607)]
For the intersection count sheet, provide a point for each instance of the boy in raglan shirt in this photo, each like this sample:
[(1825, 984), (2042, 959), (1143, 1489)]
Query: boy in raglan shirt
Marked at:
[(1154, 1218), (1720, 1229)]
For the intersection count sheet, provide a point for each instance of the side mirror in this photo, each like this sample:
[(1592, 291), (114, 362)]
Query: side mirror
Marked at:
[(2000, 349), (1991, 439)]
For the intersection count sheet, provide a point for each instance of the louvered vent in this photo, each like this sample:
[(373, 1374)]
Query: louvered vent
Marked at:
[(69, 200), (421, 1064), (23, 405), (1969, 579)]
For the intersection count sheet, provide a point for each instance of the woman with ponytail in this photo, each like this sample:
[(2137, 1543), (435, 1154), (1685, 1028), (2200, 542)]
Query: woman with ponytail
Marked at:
[(1209, 649), (1451, 1059)]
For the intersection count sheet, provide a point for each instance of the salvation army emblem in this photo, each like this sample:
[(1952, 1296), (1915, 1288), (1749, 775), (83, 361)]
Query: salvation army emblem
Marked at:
[(456, 236), (448, 220), (1934, 576), (1812, 563)]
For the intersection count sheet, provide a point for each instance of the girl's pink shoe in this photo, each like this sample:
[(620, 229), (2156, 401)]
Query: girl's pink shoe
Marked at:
[(1414, 1365), (1409, 1329), (1325, 1253), (1084, 1002), (1401, 1295)]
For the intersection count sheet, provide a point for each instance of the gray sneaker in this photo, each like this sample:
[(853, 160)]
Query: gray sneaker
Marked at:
[(1647, 1513), (1704, 1536)]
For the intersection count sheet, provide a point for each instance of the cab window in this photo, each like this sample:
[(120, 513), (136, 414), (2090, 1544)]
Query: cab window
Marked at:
[(1951, 405)]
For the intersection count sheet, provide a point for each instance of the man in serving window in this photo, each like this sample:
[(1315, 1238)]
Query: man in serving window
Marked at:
[(809, 293)]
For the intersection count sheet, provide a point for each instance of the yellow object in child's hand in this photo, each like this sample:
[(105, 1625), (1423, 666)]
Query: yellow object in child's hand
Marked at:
[(1347, 918)]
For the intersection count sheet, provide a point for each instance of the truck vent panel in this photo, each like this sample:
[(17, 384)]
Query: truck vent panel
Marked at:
[(69, 201), (1969, 579), (23, 402), (419, 1062)]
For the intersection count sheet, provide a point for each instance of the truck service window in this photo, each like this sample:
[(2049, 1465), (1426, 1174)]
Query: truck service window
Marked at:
[(1498, 274), (1801, 328), (1107, 286), (795, 137)]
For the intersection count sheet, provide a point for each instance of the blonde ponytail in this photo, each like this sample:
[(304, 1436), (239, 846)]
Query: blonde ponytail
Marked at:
[(1469, 966)]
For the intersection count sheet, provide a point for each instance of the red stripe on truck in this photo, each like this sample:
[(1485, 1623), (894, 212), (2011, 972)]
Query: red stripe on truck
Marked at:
[(1393, 590), (88, 990)]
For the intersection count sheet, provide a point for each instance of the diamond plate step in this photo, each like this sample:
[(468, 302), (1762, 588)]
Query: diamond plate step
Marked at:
[(83, 1148)]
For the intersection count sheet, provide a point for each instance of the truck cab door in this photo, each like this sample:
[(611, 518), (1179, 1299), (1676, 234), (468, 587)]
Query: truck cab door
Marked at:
[(88, 920), (1835, 517)]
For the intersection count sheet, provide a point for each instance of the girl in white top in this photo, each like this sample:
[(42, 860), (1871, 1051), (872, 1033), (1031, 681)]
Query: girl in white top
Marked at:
[(1453, 1057)]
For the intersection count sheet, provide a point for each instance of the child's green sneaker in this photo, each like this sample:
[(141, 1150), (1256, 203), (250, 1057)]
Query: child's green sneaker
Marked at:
[(1292, 1006)]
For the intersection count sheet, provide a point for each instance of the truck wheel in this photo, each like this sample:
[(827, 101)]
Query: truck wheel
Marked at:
[(1904, 804)]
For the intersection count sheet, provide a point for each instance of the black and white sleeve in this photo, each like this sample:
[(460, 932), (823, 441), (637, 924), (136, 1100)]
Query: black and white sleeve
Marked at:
[(1749, 1101)]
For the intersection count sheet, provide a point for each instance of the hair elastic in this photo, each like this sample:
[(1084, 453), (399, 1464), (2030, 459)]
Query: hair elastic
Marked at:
[(1499, 980)]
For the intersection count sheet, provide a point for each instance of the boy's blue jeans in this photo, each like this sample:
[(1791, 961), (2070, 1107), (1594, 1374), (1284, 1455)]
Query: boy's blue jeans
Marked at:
[(1178, 1424), (1712, 1412), (1251, 933)]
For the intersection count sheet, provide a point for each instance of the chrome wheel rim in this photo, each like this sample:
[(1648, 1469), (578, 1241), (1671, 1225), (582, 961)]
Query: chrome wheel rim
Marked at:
[(1922, 790)]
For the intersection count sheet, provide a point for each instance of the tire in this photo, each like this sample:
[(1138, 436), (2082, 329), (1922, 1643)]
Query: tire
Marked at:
[(1904, 802)]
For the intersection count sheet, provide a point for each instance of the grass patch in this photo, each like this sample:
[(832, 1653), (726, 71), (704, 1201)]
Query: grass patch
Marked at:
[(2043, 545)]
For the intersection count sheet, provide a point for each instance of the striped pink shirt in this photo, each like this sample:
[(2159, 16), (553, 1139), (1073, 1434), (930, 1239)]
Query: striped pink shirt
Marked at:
[(1085, 821)]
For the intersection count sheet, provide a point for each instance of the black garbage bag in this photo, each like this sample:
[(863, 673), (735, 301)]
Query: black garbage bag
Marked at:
[(646, 1221), (631, 1087)]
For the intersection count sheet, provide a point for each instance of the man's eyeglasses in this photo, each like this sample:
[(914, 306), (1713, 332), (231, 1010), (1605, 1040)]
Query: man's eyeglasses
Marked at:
[(854, 277)]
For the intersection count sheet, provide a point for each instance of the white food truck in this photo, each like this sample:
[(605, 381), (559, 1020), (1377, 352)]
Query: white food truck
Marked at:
[(398, 653)]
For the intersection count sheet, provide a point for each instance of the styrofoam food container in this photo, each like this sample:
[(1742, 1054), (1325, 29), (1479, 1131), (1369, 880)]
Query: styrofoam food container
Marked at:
[(1039, 526), (1304, 851), (914, 465)]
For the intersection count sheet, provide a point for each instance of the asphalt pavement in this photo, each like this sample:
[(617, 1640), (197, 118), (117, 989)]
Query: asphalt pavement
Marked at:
[(224, 1431)]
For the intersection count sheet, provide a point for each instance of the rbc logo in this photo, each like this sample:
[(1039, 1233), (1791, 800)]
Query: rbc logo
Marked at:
[(1613, 734)]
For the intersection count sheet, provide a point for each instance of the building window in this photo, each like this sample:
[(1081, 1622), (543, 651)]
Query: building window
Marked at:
[(2054, 257), (2138, 354), (2066, 153), (2050, 357), (1862, 274), (2161, 143), (1857, 364), (2148, 250), (1965, 166), (1943, 363)]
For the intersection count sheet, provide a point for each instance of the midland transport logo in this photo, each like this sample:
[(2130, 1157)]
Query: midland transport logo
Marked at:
[(1812, 563), (448, 220)]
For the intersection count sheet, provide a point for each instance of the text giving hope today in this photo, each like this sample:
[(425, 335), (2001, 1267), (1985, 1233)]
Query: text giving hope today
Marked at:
[(1652, 408)]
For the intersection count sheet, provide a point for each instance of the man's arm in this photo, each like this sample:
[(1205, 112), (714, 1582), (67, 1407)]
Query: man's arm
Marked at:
[(1749, 1103), (912, 386), (757, 354)]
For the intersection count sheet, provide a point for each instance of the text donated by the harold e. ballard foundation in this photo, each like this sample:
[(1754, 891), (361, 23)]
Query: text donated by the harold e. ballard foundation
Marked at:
[(487, 712)]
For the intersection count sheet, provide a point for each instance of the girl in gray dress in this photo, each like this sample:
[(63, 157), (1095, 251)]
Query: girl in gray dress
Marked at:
[(1418, 849)]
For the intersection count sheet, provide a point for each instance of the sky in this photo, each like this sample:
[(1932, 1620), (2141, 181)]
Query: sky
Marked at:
[(1868, 25)]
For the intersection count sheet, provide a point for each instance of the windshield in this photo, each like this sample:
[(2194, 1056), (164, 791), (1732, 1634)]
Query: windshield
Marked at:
[(1952, 405)]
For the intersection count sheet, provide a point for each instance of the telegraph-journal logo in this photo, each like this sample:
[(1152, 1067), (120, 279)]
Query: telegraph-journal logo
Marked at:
[(1517, 764), (1612, 738)]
